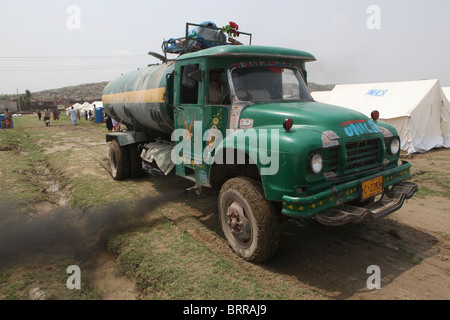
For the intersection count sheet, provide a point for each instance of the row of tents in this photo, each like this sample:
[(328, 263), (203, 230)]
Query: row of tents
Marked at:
[(419, 110), (85, 107)]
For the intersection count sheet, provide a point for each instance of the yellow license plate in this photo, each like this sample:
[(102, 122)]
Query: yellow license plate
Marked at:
[(372, 187)]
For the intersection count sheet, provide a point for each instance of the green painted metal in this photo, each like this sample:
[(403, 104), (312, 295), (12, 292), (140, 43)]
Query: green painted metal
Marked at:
[(126, 138), (154, 117), (245, 52), (306, 207), (330, 131)]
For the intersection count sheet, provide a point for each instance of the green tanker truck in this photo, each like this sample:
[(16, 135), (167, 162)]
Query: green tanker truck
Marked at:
[(240, 117)]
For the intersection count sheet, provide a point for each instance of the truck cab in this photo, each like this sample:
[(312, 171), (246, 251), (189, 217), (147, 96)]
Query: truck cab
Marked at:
[(243, 119)]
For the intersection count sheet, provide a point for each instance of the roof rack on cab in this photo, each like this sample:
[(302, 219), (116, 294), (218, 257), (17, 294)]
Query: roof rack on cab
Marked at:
[(203, 36)]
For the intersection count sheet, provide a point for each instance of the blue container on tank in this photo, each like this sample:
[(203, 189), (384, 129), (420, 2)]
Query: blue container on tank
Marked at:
[(2, 121), (98, 115)]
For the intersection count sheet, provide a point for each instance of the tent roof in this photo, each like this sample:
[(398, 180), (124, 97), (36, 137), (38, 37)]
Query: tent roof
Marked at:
[(81, 106), (97, 104), (391, 99)]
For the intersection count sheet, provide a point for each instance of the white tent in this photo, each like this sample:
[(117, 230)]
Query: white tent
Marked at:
[(92, 106), (320, 95), (446, 92), (418, 110), (446, 114), (82, 106), (74, 106)]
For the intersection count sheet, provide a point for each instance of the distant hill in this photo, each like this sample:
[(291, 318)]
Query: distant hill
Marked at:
[(82, 92), (93, 92), (320, 87)]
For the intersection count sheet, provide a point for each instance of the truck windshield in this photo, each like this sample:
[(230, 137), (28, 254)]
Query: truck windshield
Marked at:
[(269, 83)]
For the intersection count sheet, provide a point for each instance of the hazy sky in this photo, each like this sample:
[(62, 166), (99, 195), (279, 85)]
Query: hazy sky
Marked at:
[(51, 44)]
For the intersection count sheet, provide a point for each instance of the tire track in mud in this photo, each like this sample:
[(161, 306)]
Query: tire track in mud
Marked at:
[(55, 227), (50, 186), (103, 271), (48, 179), (103, 267)]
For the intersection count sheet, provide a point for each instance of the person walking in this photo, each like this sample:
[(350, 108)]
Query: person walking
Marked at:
[(47, 114), (73, 116)]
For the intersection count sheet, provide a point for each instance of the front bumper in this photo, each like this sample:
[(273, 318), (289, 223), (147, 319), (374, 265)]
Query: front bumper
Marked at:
[(328, 205)]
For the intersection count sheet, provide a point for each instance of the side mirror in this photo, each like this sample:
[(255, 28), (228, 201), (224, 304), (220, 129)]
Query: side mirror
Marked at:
[(191, 75), (196, 75)]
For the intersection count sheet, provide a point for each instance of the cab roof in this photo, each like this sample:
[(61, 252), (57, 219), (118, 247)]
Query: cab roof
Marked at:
[(228, 51)]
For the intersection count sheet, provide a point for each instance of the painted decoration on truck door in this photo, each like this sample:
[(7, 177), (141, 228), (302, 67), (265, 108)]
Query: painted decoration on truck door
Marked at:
[(188, 126), (215, 126), (216, 120), (235, 114)]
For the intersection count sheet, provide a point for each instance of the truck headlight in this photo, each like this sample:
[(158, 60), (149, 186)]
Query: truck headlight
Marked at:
[(394, 146), (316, 163)]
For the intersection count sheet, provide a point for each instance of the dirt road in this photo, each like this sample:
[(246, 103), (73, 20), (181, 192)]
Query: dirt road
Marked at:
[(411, 247)]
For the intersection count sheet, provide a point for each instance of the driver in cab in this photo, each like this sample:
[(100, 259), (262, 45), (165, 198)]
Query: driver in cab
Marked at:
[(218, 89)]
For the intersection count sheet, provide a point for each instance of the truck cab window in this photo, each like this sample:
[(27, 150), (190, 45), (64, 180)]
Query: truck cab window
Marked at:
[(269, 83), (189, 85)]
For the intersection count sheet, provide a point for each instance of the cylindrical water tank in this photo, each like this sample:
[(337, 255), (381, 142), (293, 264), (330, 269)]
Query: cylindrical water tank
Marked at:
[(138, 99)]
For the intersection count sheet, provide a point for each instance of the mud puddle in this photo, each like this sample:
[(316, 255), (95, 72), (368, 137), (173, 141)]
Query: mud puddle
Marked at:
[(111, 285), (51, 187)]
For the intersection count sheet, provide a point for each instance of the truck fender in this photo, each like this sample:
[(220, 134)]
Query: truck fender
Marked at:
[(127, 138)]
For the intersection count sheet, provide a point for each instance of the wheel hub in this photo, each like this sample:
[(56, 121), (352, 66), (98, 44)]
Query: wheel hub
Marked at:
[(238, 223)]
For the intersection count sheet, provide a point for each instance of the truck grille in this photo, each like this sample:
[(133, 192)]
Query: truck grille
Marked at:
[(362, 154), (331, 159)]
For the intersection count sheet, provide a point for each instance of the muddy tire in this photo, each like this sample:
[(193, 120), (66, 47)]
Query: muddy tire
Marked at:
[(136, 170), (248, 220), (119, 159)]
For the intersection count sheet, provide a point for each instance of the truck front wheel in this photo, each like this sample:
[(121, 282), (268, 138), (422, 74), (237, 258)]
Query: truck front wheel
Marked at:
[(119, 158), (248, 220)]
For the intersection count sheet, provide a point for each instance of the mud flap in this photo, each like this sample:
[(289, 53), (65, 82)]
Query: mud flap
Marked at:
[(391, 201)]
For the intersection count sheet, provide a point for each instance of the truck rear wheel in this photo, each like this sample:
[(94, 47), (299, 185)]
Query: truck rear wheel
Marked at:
[(119, 158), (136, 170), (248, 220)]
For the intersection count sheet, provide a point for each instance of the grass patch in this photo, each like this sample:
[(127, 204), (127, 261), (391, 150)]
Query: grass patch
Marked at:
[(22, 184), (165, 260), (47, 272), (168, 263), (18, 166), (425, 192), (432, 183)]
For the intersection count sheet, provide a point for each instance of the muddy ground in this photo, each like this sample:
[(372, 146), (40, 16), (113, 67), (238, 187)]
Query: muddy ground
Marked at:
[(411, 247)]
